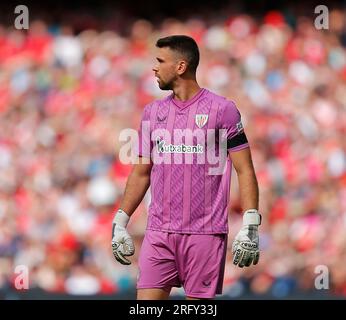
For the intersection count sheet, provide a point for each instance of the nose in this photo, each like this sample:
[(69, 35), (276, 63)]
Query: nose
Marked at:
[(155, 69)]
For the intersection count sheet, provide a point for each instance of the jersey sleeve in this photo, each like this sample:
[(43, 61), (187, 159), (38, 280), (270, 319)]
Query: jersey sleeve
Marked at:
[(231, 122), (144, 134)]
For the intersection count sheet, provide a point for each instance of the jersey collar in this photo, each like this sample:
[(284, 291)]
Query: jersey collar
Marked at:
[(184, 104)]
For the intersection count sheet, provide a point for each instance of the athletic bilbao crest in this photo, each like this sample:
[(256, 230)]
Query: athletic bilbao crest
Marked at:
[(201, 120)]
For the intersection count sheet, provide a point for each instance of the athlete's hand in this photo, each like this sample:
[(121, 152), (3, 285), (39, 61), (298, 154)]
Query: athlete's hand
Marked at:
[(122, 244), (245, 246)]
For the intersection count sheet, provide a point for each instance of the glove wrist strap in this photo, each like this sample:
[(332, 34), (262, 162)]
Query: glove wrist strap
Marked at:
[(251, 217), (121, 218)]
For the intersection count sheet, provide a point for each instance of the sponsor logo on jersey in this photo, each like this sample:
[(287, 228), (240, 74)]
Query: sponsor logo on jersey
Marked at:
[(181, 148)]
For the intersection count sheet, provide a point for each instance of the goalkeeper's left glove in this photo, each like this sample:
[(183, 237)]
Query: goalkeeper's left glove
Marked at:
[(245, 246)]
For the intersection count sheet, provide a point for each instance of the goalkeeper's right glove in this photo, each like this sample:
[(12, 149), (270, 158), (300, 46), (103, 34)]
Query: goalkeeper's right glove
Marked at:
[(122, 244), (245, 246)]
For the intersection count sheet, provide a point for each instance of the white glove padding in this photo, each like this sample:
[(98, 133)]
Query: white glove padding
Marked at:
[(245, 246), (122, 244)]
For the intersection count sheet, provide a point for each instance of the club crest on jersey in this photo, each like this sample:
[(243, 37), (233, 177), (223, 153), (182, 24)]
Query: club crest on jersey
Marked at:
[(201, 120)]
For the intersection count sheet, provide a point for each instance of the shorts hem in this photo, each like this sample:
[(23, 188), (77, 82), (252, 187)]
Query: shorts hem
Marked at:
[(165, 288), (203, 296)]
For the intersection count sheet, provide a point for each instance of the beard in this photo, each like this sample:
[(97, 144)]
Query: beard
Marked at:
[(166, 85)]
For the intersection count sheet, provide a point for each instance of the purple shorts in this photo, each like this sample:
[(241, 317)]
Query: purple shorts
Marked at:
[(194, 261)]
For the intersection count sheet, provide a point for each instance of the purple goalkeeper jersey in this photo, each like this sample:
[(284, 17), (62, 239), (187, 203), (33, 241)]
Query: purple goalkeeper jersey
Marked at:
[(186, 195)]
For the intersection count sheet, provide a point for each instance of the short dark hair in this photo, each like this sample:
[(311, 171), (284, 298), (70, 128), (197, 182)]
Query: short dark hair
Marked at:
[(184, 45)]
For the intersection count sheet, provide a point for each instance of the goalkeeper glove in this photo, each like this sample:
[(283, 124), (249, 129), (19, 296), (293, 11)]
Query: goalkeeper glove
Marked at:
[(122, 244), (245, 246)]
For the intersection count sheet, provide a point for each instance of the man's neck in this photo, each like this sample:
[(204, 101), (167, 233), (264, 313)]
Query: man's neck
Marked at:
[(186, 91)]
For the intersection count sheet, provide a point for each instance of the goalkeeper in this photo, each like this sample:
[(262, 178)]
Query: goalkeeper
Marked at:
[(185, 242)]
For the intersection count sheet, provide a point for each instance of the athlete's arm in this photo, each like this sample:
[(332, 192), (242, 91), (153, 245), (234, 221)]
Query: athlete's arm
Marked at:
[(248, 186), (245, 247), (136, 187)]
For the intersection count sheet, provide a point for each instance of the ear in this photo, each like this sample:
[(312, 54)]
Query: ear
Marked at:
[(181, 67)]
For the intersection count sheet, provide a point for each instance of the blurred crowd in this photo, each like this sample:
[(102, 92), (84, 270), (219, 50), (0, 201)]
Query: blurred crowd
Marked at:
[(65, 97)]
